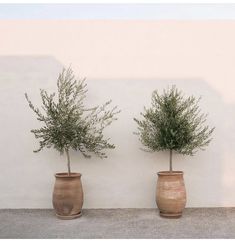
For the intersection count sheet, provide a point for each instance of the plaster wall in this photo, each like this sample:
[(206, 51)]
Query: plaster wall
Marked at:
[(123, 61)]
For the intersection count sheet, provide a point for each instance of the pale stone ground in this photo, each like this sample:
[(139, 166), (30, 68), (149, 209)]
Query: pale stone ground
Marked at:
[(118, 223)]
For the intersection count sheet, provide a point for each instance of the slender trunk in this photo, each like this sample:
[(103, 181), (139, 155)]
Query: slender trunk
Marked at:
[(68, 160), (170, 160)]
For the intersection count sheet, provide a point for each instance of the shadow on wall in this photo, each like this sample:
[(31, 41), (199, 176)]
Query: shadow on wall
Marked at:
[(20, 74), (128, 177)]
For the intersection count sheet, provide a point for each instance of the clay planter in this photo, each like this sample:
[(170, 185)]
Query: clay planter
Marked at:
[(68, 195), (171, 193)]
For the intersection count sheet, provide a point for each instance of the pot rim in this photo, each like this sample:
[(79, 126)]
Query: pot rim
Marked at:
[(65, 175), (168, 173)]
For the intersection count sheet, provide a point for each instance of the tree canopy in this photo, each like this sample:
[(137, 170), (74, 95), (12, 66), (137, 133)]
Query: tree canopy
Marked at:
[(67, 124), (174, 122)]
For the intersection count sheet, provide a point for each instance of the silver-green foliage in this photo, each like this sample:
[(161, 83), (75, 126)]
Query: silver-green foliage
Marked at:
[(174, 123), (67, 123)]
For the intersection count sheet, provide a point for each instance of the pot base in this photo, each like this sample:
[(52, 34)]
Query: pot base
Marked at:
[(74, 216), (170, 215)]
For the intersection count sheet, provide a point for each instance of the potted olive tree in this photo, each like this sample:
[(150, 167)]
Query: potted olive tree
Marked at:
[(68, 125), (175, 124)]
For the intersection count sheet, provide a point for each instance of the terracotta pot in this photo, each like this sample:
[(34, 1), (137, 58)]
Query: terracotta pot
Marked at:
[(68, 195), (171, 193)]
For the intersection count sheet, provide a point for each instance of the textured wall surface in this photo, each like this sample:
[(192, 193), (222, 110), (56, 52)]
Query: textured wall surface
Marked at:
[(123, 61)]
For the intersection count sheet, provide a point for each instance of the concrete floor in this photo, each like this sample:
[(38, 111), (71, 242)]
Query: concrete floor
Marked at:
[(118, 223)]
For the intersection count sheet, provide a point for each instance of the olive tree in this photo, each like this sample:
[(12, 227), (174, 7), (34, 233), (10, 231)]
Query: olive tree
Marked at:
[(68, 124), (174, 123)]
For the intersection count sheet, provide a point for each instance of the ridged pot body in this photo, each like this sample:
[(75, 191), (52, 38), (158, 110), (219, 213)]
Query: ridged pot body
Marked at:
[(171, 193), (68, 195)]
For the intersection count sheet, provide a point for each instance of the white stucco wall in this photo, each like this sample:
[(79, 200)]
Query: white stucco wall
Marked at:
[(124, 61)]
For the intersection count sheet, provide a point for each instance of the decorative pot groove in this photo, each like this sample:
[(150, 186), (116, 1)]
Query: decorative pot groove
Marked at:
[(68, 195), (171, 193)]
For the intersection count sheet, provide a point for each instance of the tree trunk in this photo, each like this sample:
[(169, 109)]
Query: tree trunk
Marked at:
[(68, 160), (170, 160)]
